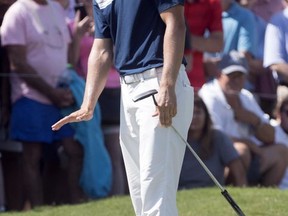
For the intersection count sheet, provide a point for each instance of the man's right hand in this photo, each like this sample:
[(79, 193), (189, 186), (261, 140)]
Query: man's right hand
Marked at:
[(77, 116)]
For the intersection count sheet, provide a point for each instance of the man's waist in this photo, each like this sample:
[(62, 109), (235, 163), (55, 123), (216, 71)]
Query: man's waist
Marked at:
[(148, 74)]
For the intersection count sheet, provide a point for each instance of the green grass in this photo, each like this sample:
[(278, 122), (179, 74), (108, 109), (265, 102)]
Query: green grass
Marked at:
[(197, 202)]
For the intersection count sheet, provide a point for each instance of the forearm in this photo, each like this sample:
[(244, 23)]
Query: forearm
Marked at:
[(255, 65), (99, 64), (262, 130), (173, 50), (17, 57), (213, 43), (32, 78), (265, 133)]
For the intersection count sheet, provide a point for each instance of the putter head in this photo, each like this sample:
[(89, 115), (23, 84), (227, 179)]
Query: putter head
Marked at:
[(144, 95)]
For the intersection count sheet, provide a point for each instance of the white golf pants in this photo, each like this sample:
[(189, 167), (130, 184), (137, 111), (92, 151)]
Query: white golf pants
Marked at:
[(153, 155)]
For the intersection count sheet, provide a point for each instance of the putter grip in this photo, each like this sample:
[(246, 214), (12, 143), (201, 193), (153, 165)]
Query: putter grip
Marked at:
[(232, 203)]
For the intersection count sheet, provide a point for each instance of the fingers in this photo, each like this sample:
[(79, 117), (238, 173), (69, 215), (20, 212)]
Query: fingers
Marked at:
[(61, 122), (165, 115), (73, 117), (77, 16)]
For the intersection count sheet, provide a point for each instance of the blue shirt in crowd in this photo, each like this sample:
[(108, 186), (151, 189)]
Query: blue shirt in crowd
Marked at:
[(276, 37), (239, 30)]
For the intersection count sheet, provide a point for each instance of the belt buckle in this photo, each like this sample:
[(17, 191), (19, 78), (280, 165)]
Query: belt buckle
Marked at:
[(131, 77), (124, 80), (148, 74)]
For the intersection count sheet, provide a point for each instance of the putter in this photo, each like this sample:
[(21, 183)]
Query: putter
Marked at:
[(224, 192)]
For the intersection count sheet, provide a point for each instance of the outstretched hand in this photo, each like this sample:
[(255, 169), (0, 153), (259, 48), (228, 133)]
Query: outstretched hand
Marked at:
[(77, 116)]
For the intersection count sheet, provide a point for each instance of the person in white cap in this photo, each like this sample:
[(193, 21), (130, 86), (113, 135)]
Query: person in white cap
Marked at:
[(235, 111)]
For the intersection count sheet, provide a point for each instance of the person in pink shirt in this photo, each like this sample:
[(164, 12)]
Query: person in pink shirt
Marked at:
[(36, 36)]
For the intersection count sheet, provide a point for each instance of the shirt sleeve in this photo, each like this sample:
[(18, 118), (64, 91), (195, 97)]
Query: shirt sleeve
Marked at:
[(251, 104), (214, 106), (102, 29), (163, 5), (13, 27), (274, 45)]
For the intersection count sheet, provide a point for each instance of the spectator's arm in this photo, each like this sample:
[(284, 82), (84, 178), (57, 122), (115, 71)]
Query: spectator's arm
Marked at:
[(255, 65), (17, 56), (213, 43), (19, 64), (263, 131), (78, 30)]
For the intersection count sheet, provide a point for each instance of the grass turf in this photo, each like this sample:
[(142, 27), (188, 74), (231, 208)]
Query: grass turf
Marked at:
[(196, 202)]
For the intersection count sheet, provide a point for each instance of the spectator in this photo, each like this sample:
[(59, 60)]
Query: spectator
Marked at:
[(263, 84), (214, 148), (109, 100), (266, 8), (275, 49), (202, 16), (37, 37), (239, 34), (235, 112), (281, 126)]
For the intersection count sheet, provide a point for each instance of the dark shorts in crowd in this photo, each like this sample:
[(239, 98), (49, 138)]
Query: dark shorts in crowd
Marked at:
[(254, 175), (31, 121)]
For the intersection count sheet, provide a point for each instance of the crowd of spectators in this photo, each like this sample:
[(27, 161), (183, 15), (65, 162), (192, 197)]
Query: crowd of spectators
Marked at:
[(237, 62), (241, 88)]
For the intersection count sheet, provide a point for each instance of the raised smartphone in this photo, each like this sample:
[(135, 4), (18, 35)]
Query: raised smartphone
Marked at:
[(81, 8)]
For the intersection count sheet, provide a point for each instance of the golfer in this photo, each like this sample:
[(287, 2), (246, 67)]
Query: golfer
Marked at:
[(148, 40)]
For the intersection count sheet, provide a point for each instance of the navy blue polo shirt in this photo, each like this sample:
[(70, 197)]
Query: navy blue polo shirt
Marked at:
[(136, 29)]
